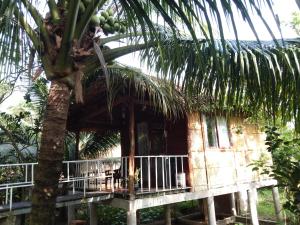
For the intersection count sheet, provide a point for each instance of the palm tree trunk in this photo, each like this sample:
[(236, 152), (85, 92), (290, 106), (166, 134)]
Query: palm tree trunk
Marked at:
[(50, 155)]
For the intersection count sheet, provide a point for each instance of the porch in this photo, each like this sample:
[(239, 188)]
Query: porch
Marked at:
[(105, 178)]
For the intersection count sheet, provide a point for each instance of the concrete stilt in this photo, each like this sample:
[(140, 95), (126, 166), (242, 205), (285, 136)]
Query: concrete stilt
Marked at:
[(211, 211), (168, 220), (277, 204), (242, 202), (93, 213), (71, 213), (252, 206), (232, 204), (131, 218)]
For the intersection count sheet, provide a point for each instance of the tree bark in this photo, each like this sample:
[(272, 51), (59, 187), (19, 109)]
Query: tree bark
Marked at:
[(131, 151), (50, 155)]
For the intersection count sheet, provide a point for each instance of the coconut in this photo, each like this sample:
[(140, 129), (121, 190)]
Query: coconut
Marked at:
[(104, 14), (102, 20), (111, 20), (95, 21), (110, 12)]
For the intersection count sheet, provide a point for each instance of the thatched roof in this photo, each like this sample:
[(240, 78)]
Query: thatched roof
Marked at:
[(105, 99)]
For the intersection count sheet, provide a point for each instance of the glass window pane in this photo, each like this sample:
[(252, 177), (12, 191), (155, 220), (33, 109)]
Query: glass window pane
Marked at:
[(223, 133), (211, 131)]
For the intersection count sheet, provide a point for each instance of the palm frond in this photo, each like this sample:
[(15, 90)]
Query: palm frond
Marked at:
[(161, 95)]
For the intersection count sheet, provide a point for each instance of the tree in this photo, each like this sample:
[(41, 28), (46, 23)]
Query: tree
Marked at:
[(70, 42)]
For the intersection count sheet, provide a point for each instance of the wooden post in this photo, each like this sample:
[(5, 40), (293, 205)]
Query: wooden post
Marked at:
[(131, 218), (71, 213), (131, 150), (209, 211), (232, 204), (93, 213), (252, 206), (168, 220), (277, 204), (76, 155)]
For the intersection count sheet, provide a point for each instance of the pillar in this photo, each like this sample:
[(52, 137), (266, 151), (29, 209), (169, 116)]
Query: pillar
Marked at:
[(232, 204), (277, 204), (131, 218), (252, 206), (211, 213), (168, 220), (71, 213), (93, 213), (242, 202)]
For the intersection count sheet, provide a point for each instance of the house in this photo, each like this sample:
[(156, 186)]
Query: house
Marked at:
[(170, 154)]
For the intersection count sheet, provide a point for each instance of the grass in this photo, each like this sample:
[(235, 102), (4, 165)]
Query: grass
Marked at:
[(265, 206), (266, 209)]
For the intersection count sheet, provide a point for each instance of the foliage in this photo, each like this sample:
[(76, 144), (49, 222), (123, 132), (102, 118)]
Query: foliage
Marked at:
[(295, 23), (286, 167), (92, 143)]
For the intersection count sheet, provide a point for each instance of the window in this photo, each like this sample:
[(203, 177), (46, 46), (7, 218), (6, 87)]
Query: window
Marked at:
[(216, 132)]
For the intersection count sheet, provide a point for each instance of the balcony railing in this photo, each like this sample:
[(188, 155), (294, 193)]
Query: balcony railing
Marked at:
[(157, 173)]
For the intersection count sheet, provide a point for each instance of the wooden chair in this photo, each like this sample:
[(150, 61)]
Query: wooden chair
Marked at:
[(116, 174)]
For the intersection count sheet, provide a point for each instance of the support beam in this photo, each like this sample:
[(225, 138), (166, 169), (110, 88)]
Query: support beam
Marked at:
[(168, 219), (93, 213), (277, 204), (252, 206), (232, 204), (131, 150), (71, 213), (211, 211), (131, 218)]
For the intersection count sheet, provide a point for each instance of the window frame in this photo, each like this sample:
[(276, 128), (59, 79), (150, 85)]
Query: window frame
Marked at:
[(217, 132)]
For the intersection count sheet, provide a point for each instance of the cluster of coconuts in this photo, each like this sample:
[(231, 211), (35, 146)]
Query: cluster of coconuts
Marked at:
[(106, 20)]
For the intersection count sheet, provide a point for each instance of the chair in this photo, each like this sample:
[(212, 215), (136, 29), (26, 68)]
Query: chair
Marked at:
[(116, 174)]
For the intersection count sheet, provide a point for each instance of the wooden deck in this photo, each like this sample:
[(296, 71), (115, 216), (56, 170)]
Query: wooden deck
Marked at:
[(123, 193), (61, 201)]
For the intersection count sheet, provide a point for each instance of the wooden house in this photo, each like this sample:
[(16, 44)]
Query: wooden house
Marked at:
[(168, 155)]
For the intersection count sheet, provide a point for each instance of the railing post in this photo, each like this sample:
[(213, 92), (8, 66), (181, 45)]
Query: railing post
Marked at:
[(26, 172), (10, 198), (156, 185), (163, 171), (169, 158), (181, 164), (141, 165), (126, 176), (32, 174), (6, 195), (149, 174), (176, 172), (68, 171)]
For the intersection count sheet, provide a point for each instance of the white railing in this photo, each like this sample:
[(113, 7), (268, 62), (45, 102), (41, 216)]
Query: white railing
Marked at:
[(157, 173), (80, 175)]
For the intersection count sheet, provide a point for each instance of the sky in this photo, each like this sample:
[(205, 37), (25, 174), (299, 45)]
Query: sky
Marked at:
[(283, 8)]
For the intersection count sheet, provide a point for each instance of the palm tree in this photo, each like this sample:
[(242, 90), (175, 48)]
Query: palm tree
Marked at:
[(71, 41)]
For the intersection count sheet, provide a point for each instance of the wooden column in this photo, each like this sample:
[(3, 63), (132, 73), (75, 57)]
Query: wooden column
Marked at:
[(277, 204), (252, 206), (76, 155), (232, 204), (168, 220), (93, 213), (131, 150), (71, 213), (131, 218)]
